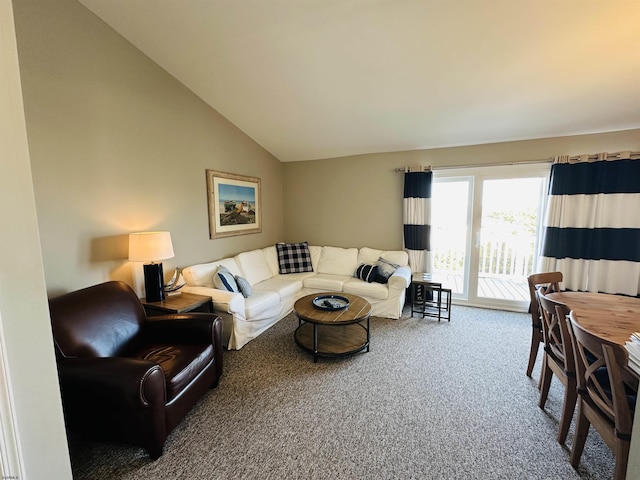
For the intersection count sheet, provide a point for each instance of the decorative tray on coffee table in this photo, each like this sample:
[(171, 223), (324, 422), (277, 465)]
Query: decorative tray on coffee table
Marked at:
[(330, 302)]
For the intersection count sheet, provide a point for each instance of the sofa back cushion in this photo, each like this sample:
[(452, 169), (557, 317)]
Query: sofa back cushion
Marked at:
[(271, 256), (371, 255), (316, 251), (104, 320), (254, 266), (201, 275), (338, 261)]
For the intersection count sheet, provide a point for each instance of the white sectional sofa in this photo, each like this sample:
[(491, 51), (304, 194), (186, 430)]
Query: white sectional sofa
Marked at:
[(273, 294)]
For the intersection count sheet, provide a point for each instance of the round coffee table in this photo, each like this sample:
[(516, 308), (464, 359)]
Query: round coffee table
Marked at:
[(332, 333)]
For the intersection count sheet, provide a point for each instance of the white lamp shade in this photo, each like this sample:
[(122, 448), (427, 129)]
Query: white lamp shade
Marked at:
[(150, 246)]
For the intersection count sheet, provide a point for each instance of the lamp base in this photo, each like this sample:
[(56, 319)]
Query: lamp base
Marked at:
[(153, 282)]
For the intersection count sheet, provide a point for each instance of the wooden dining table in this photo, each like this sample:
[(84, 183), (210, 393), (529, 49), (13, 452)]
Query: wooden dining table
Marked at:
[(611, 317)]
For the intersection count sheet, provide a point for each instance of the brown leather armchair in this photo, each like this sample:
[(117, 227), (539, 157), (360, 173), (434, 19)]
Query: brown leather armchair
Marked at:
[(125, 376)]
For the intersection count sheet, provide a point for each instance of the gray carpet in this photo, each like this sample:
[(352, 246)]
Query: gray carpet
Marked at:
[(429, 401)]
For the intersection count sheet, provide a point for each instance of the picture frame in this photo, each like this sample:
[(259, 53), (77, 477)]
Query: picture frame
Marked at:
[(235, 205)]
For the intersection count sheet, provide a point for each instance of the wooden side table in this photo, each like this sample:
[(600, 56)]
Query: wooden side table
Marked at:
[(429, 298), (182, 303)]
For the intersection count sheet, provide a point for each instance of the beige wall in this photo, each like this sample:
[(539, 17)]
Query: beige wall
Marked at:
[(118, 145), (355, 201), (27, 363)]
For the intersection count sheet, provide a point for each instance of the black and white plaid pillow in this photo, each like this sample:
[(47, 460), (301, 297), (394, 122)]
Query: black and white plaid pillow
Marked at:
[(294, 257)]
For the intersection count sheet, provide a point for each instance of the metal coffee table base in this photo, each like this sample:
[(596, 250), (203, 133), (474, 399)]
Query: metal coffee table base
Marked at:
[(332, 340)]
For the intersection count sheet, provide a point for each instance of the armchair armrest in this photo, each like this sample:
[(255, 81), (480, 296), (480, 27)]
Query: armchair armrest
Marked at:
[(188, 328), (112, 380)]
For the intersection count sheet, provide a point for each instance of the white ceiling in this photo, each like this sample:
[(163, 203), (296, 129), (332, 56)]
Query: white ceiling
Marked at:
[(310, 79)]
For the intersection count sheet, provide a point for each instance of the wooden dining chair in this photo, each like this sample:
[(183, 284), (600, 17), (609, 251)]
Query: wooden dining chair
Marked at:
[(607, 394), (551, 283), (559, 359)]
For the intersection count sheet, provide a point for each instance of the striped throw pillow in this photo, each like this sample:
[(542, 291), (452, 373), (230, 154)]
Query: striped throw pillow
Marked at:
[(223, 279), (366, 272)]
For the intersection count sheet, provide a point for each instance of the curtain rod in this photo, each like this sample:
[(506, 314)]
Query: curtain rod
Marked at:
[(595, 156), (446, 167), (565, 158)]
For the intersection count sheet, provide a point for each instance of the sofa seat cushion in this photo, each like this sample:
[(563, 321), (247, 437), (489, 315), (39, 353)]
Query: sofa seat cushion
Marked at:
[(295, 276), (327, 282), (284, 287), (361, 288), (180, 363), (259, 302)]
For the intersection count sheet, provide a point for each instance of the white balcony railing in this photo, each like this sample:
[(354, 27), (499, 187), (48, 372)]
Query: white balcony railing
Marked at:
[(511, 257)]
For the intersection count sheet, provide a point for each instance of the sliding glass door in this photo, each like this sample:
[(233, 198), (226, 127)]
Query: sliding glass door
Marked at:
[(450, 232), (485, 224)]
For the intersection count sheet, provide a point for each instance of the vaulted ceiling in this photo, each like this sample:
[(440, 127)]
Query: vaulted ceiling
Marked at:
[(310, 79)]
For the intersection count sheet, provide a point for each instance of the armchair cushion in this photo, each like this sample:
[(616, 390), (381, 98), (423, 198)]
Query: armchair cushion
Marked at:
[(180, 363)]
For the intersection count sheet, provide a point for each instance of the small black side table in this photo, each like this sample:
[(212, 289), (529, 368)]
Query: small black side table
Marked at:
[(181, 303), (429, 298)]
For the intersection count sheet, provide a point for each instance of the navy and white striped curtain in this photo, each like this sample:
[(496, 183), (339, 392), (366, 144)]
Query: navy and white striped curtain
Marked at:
[(592, 229), (417, 219)]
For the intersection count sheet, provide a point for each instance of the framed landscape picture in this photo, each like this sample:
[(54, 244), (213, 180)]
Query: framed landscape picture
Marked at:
[(234, 204)]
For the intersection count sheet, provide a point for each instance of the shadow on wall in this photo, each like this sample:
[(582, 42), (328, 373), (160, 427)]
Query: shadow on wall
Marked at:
[(109, 249), (109, 256), (112, 253)]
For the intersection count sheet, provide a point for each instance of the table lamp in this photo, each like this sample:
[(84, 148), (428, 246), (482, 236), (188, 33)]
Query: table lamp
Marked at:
[(151, 247)]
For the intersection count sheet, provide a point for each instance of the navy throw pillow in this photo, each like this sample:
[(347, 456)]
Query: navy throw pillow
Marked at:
[(366, 272)]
